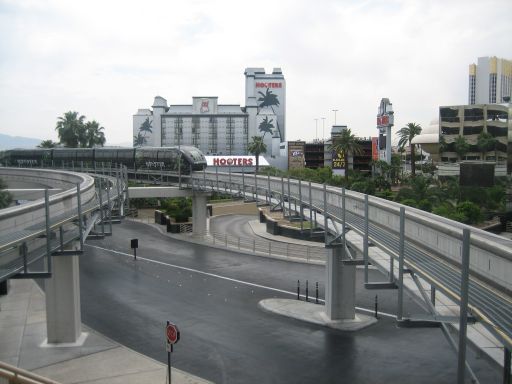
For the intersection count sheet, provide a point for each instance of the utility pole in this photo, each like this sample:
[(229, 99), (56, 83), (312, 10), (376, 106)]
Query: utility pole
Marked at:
[(335, 110)]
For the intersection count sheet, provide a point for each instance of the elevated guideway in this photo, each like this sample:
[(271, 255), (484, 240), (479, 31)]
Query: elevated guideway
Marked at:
[(470, 266), (429, 246)]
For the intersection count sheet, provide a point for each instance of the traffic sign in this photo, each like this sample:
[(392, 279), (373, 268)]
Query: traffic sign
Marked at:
[(172, 333)]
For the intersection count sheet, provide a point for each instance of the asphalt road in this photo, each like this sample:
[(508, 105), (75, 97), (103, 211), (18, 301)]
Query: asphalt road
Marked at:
[(212, 296)]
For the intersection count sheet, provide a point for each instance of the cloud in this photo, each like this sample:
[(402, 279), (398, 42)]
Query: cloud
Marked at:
[(106, 59)]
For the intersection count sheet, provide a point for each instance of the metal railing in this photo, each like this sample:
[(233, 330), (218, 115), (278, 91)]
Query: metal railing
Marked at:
[(15, 375), (281, 250)]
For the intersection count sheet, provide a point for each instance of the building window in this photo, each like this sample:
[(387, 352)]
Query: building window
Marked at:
[(212, 135), (178, 129)]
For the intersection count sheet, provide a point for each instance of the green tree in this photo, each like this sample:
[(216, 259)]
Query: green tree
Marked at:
[(256, 147), (180, 208), (74, 132), (5, 197), (48, 144), (94, 135), (347, 144), (406, 135), (269, 99), (461, 147), (70, 129), (485, 143)]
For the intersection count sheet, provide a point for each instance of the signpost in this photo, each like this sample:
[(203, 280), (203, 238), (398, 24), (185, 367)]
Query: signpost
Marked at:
[(172, 334), (134, 245)]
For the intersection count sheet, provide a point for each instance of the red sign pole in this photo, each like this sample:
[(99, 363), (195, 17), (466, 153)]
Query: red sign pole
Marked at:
[(172, 334)]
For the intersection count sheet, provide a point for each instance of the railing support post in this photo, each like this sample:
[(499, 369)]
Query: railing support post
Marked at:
[(365, 239), (400, 307), (48, 231), (464, 293), (80, 219)]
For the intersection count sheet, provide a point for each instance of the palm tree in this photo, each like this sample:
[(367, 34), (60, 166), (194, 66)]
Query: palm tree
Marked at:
[(94, 135), (485, 143), (406, 135), (346, 144), (139, 140), (70, 129), (269, 99), (461, 147), (146, 127), (266, 126), (256, 147), (48, 144)]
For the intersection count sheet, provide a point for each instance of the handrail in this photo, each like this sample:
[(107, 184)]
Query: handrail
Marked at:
[(16, 375)]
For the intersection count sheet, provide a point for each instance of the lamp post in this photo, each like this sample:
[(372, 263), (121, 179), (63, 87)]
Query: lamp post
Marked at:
[(316, 129), (323, 127), (335, 110)]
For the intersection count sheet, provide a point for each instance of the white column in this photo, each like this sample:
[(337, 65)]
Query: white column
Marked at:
[(340, 287), (63, 316), (199, 213)]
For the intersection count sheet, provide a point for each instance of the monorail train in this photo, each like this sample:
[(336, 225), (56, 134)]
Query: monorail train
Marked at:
[(156, 159)]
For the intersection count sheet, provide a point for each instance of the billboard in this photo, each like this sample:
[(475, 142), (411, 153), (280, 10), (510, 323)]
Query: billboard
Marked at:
[(338, 160), (375, 148), (295, 154)]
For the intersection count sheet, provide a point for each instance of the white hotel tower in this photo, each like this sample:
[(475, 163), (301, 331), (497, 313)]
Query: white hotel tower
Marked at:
[(218, 129)]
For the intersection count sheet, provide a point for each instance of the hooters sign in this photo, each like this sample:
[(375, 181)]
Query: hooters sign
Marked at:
[(234, 161)]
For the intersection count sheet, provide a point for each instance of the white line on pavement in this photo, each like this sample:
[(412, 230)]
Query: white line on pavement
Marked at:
[(222, 277)]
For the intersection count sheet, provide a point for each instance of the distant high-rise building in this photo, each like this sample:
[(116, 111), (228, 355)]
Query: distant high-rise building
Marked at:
[(490, 80)]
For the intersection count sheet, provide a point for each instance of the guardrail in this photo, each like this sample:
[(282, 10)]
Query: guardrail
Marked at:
[(280, 250), (433, 245), (15, 375), (28, 231)]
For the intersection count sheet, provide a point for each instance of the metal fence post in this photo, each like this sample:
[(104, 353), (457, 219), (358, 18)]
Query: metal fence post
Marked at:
[(282, 196), (365, 239), (256, 187), (401, 247), (269, 248), (300, 209), (243, 184), (343, 220), (254, 245), (310, 212), (101, 206), (109, 208), (80, 222), (464, 293), (289, 198), (48, 231), (326, 230), (269, 191)]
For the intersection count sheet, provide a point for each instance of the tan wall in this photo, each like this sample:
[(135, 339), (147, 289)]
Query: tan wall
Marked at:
[(240, 208)]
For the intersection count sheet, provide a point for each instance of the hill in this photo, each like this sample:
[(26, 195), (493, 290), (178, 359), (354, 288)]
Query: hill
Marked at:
[(10, 142)]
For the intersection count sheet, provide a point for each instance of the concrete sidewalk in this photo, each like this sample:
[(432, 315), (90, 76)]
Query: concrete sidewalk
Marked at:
[(98, 360)]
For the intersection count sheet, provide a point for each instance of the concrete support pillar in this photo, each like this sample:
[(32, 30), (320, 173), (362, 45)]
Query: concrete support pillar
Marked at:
[(199, 213), (340, 287), (63, 317)]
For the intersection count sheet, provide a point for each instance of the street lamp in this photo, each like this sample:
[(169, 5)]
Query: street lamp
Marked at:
[(335, 110), (323, 127), (316, 128)]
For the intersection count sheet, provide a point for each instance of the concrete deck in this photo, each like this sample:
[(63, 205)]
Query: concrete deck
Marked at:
[(97, 360)]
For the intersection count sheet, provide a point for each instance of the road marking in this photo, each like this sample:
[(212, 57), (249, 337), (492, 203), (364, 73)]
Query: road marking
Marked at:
[(223, 277)]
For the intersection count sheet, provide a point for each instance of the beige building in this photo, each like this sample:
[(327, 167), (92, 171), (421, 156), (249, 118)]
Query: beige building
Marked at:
[(490, 81), (469, 121)]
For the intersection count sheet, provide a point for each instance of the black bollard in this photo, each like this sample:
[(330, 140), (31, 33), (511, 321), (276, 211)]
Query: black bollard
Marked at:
[(298, 289), (316, 292), (376, 306), (307, 294)]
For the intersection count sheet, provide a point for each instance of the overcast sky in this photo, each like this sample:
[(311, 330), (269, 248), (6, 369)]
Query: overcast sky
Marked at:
[(106, 59)]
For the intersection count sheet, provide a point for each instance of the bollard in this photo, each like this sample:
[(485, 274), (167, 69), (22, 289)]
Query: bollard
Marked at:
[(307, 294), (376, 306), (316, 292), (298, 289)]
